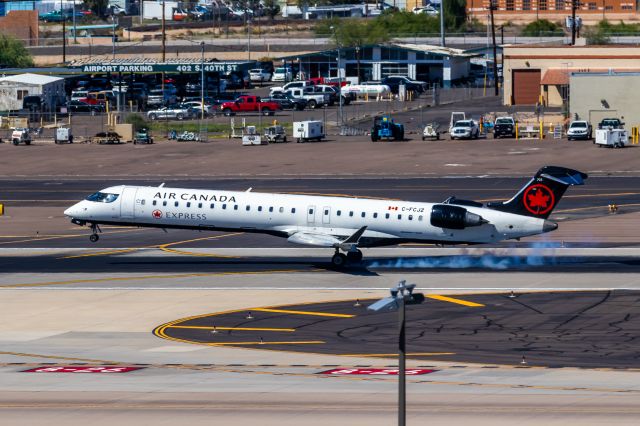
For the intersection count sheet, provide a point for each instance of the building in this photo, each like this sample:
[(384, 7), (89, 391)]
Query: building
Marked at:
[(375, 62), (535, 74), (521, 11), (15, 88), (598, 95), (23, 25)]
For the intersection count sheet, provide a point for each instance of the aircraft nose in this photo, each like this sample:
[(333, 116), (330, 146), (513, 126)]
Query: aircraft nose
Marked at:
[(72, 211)]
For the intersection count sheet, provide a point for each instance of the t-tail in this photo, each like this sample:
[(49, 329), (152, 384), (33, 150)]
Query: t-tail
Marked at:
[(540, 196)]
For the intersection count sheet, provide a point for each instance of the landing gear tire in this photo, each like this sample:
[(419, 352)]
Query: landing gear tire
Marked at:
[(354, 257), (94, 238), (339, 260)]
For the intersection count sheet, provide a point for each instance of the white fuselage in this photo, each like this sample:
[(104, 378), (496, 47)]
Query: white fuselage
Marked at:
[(387, 222)]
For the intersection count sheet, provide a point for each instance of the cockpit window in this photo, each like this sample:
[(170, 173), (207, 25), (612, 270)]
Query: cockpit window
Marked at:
[(102, 197)]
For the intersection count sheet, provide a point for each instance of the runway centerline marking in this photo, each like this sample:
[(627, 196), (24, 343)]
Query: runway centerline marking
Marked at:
[(454, 300), (201, 327), (303, 342), (318, 314), (395, 354)]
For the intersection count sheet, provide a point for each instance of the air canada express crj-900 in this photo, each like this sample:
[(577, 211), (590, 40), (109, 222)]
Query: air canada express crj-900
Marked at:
[(344, 224)]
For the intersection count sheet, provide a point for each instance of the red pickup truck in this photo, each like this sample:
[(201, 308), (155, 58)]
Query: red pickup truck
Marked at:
[(249, 104)]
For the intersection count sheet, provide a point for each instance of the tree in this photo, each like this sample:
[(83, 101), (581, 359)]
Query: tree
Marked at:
[(272, 8), (13, 53), (542, 27), (356, 32), (455, 13)]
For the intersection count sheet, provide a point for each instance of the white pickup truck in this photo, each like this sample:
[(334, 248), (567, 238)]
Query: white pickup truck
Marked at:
[(314, 100)]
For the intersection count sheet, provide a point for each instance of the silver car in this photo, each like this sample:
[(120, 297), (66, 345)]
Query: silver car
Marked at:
[(177, 112)]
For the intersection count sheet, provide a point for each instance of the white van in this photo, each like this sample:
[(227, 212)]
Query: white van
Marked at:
[(282, 74)]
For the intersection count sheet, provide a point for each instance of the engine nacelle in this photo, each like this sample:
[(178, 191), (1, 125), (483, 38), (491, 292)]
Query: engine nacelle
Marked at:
[(454, 217)]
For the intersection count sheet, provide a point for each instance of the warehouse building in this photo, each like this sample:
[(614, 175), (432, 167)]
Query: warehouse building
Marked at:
[(595, 96), (15, 88), (375, 62), (535, 74)]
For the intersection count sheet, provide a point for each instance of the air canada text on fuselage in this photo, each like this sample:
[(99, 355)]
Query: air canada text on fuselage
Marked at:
[(185, 196)]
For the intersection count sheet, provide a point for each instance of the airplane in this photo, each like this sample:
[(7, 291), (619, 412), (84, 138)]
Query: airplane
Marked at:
[(343, 224)]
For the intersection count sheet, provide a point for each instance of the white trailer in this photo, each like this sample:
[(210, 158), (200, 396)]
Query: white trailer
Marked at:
[(153, 10), (304, 131), (616, 138), (63, 135)]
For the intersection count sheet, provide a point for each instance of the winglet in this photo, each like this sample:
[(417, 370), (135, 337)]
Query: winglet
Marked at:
[(353, 239)]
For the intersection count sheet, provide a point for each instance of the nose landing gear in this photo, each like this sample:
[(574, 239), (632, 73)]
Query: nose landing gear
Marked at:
[(94, 237)]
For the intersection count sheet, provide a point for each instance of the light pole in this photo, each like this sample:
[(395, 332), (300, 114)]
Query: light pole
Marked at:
[(335, 36), (202, 81), (401, 295), (64, 34), (73, 10), (442, 41), (113, 35)]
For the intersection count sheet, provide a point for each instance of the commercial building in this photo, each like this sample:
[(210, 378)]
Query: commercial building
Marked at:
[(21, 24), (519, 11), (375, 62), (595, 96), (535, 74), (13, 90)]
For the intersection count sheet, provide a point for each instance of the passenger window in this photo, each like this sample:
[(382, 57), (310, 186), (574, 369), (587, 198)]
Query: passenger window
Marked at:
[(155, 202), (270, 209), (338, 213), (326, 212), (211, 206), (386, 216), (235, 207), (199, 205), (375, 215), (143, 202), (281, 209), (399, 216), (188, 204), (310, 211), (420, 218), (259, 208), (293, 210), (248, 208), (362, 214), (176, 204), (350, 214), (410, 217), (164, 203), (224, 207)]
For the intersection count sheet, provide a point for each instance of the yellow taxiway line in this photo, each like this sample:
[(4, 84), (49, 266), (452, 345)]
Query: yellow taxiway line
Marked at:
[(454, 300), (318, 314), (388, 355), (201, 327), (302, 342)]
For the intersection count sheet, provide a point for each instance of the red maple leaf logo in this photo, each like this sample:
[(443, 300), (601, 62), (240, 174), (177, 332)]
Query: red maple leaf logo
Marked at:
[(538, 200), (157, 214)]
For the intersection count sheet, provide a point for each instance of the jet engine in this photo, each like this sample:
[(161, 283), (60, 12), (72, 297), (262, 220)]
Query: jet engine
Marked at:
[(454, 217)]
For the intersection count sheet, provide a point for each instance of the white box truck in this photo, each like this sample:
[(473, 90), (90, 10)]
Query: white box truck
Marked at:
[(304, 131), (153, 10), (616, 138)]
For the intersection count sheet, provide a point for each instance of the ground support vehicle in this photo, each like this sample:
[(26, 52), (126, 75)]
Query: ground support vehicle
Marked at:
[(142, 136), (504, 126), (430, 131), (187, 137), (106, 138), (252, 137), (304, 131), (248, 103), (615, 138), (385, 128), (579, 130), (63, 135), (21, 135), (274, 134)]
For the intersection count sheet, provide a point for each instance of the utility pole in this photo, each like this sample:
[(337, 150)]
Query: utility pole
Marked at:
[(64, 34), (74, 22), (113, 35), (164, 35), (574, 6), (493, 6), (442, 41)]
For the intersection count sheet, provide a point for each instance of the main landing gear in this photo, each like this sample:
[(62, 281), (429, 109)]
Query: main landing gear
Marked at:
[(340, 259), (94, 237)]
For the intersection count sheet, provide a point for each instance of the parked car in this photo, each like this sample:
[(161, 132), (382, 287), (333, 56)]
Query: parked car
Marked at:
[(172, 111), (282, 74), (395, 81), (196, 106), (259, 75), (314, 100), (287, 101), (504, 126), (116, 10), (77, 106), (161, 97), (465, 129), (579, 129)]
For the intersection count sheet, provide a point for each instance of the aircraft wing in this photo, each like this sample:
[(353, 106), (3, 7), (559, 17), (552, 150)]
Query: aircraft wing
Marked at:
[(320, 239)]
